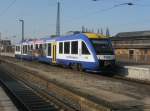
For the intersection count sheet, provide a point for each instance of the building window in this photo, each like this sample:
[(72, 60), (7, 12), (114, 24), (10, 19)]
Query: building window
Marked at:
[(74, 47), (60, 47), (49, 49), (131, 54), (85, 49), (145, 51), (66, 47)]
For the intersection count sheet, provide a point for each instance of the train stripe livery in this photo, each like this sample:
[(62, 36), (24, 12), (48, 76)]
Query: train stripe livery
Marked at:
[(84, 51)]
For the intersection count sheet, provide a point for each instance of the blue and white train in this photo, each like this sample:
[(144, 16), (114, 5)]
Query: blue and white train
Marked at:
[(83, 51)]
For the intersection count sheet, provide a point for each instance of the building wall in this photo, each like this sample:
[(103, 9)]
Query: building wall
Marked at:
[(140, 56), (136, 51)]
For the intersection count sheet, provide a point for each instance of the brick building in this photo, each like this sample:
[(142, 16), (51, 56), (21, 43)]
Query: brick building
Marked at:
[(132, 46), (6, 46)]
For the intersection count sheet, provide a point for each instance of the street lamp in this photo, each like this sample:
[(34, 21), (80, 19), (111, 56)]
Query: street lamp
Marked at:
[(58, 19), (22, 21), (129, 3)]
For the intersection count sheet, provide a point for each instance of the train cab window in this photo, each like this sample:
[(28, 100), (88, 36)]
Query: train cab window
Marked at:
[(49, 49), (85, 50), (60, 47), (66, 47), (74, 47)]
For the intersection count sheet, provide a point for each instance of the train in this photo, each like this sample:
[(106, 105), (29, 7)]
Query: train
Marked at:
[(83, 51)]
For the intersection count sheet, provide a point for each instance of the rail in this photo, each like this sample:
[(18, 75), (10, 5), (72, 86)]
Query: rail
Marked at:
[(29, 98)]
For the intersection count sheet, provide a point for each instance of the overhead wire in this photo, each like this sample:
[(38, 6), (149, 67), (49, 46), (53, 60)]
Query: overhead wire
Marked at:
[(8, 7)]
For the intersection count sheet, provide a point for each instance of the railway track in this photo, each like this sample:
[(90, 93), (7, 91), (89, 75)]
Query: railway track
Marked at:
[(127, 87), (29, 98), (105, 75)]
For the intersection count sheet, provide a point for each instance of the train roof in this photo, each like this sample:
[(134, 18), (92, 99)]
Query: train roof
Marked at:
[(73, 36)]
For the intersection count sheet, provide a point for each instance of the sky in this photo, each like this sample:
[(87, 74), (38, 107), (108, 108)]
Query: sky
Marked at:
[(40, 16)]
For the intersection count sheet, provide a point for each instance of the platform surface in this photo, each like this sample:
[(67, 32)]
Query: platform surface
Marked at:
[(5, 102)]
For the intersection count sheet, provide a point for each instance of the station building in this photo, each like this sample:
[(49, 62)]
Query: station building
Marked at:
[(132, 46), (6, 46)]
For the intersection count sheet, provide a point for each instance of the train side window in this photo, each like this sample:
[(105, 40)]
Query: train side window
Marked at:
[(40, 46), (28, 47), (60, 47), (66, 47), (31, 47), (49, 49), (44, 46), (85, 50), (74, 47), (36, 46), (16, 48), (23, 49)]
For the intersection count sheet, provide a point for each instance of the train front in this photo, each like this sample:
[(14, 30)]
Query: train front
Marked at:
[(104, 52)]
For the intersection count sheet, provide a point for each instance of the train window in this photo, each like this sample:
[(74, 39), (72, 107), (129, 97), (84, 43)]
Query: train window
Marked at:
[(44, 46), (26, 48), (40, 46), (66, 47), (60, 47), (19, 48), (74, 47), (36, 46), (85, 49), (16, 48), (23, 49), (49, 49), (31, 47)]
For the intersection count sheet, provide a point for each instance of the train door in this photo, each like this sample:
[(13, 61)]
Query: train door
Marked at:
[(54, 52)]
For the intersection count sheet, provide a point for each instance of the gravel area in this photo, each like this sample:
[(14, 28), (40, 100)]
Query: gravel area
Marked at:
[(107, 88)]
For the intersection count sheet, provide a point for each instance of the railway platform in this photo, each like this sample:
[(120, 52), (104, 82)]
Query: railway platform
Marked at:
[(138, 72), (83, 89), (5, 102)]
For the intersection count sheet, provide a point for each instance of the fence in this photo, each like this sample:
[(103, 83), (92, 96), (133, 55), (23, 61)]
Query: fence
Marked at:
[(133, 59)]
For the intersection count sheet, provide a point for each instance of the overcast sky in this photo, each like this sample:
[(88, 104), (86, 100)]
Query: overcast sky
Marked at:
[(40, 16)]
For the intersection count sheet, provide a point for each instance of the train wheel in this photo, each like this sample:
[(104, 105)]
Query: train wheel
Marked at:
[(72, 66), (79, 67)]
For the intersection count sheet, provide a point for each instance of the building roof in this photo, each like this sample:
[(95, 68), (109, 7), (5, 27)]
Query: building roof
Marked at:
[(134, 34)]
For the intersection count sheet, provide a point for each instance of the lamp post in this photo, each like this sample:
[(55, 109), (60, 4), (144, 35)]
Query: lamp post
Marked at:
[(127, 3), (22, 21), (58, 19)]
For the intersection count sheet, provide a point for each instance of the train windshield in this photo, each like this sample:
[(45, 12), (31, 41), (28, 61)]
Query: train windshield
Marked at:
[(102, 46)]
